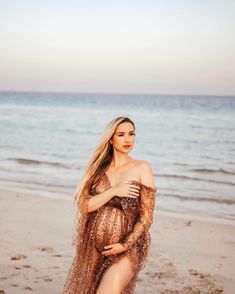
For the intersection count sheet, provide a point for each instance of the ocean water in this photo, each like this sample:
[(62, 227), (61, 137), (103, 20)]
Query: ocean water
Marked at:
[(46, 140)]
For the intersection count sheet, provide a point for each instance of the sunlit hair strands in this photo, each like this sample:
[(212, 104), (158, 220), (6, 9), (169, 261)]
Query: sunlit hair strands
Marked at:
[(100, 160)]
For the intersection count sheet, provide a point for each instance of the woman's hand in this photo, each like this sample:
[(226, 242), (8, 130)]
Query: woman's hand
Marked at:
[(126, 189), (113, 249)]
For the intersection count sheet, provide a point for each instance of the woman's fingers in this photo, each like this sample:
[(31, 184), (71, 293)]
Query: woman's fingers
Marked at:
[(107, 252), (134, 191)]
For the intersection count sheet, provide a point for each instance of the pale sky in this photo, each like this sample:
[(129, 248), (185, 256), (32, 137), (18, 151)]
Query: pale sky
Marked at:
[(152, 47)]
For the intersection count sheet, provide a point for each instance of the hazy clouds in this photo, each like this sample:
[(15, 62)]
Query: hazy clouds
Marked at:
[(179, 47)]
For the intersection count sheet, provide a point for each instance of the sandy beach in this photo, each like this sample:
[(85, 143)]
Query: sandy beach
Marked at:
[(188, 254)]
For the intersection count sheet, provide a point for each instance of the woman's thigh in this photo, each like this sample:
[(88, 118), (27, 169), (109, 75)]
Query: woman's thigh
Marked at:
[(116, 277)]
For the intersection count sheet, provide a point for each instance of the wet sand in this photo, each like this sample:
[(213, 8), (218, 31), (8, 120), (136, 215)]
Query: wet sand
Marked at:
[(188, 254)]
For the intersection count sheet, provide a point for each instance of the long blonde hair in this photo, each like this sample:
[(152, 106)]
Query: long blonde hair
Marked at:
[(100, 159)]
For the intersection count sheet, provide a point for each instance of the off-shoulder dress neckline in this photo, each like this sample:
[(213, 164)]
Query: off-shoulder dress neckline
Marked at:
[(154, 189)]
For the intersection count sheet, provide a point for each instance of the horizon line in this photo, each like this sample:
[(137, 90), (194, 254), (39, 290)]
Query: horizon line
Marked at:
[(112, 93)]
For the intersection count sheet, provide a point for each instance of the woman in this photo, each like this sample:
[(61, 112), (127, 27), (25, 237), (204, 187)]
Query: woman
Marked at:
[(116, 199)]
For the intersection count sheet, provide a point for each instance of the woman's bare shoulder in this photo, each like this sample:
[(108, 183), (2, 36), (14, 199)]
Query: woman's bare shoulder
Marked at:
[(139, 163), (146, 173)]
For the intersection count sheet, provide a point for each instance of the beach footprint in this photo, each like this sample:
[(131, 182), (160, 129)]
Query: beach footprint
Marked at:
[(48, 279), (190, 290), (18, 257), (168, 291), (26, 265), (3, 279), (205, 281), (50, 250), (163, 275), (196, 273), (168, 270), (45, 248)]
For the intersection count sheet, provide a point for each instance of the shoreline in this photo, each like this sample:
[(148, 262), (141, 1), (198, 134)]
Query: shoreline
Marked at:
[(188, 253)]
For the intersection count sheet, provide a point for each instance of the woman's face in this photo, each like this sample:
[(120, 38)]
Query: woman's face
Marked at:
[(124, 137)]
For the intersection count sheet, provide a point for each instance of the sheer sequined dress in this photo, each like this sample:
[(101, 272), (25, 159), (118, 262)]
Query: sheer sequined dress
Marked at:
[(122, 219)]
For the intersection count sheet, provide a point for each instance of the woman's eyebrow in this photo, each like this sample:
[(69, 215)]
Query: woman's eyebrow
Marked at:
[(124, 132)]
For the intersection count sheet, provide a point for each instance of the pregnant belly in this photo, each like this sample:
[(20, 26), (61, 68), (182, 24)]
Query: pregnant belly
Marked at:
[(110, 226)]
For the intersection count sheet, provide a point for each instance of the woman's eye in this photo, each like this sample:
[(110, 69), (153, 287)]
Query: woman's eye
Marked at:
[(120, 135)]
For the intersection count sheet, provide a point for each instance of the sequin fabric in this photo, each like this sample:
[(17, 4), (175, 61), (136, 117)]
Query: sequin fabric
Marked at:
[(122, 219)]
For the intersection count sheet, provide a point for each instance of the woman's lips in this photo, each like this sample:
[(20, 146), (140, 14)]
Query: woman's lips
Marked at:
[(127, 146)]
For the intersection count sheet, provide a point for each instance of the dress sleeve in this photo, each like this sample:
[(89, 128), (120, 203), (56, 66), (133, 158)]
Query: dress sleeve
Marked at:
[(83, 203), (147, 204)]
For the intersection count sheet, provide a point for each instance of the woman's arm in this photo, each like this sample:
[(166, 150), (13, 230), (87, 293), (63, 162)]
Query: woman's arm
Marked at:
[(147, 204), (89, 203)]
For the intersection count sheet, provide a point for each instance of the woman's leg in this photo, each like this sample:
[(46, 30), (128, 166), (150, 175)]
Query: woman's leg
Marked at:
[(116, 277)]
